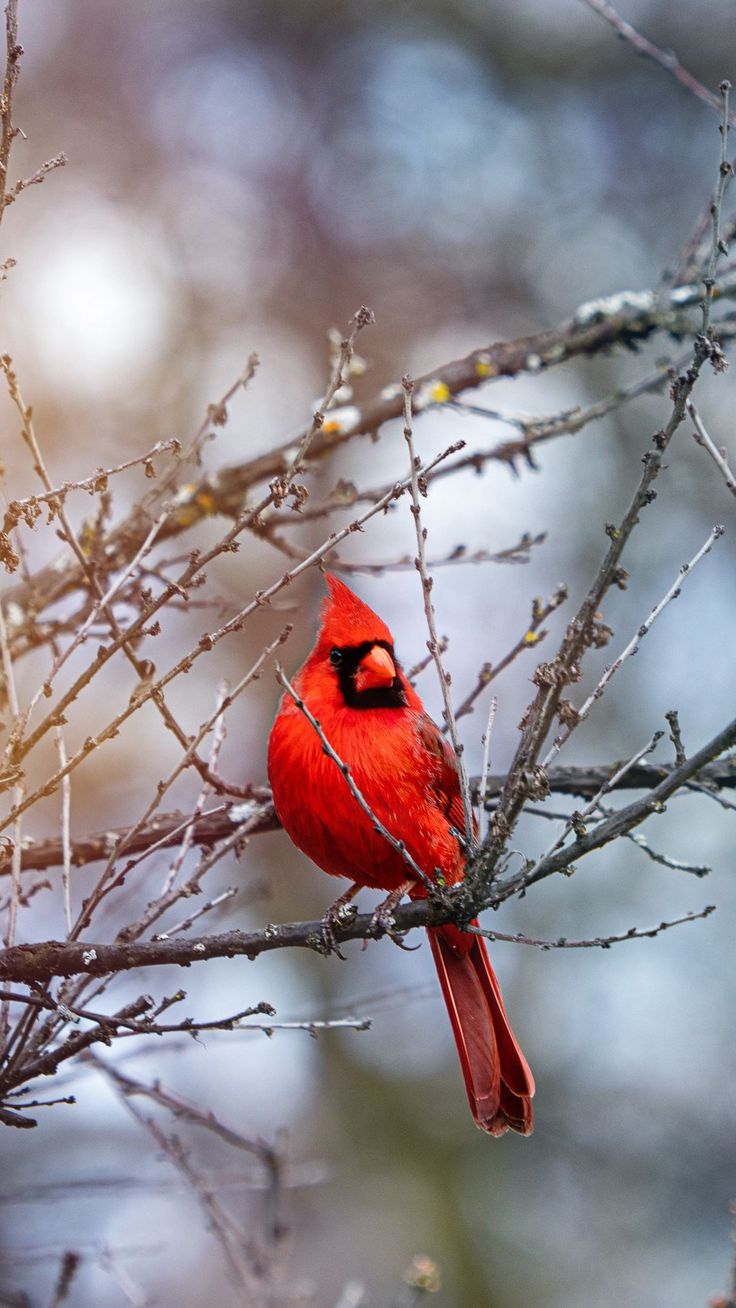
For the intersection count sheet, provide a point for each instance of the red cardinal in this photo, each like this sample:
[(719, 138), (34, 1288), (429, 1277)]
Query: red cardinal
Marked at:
[(398, 759)]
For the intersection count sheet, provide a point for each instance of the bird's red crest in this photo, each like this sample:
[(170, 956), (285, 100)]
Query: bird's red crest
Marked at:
[(346, 620)]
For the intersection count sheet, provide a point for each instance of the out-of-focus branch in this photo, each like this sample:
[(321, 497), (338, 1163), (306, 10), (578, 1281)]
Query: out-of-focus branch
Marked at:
[(534, 429), (12, 71), (252, 1262), (700, 435), (165, 830), (205, 643), (666, 59), (623, 320), (8, 131), (36, 178)]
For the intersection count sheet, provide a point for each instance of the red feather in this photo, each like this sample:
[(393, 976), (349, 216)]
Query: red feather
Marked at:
[(407, 772)]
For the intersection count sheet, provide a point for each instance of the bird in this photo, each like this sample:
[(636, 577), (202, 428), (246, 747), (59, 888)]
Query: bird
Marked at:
[(397, 757)]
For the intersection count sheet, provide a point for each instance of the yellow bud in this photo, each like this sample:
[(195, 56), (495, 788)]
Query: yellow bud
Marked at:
[(484, 367)]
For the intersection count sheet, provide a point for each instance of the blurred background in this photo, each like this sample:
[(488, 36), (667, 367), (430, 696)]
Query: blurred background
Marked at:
[(242, 176)]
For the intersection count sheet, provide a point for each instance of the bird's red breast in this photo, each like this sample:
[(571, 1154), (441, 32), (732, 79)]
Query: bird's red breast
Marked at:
[(396, 755)]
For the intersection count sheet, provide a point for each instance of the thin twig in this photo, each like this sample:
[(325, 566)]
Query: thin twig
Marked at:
[(532, 636), (536, 430), (424, 663), (66, 835), (18, 795), (576, 821), (418, 488), (486, 743), (12, 71), (26, 509), (666, 59), (718, 247), (620, 822), (363, 318), (701, 437), (581, 714), (36, 178), (596, 942)]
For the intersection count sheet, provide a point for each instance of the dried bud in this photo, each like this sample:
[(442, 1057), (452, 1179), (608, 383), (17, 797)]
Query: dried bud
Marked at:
[(567, 713)]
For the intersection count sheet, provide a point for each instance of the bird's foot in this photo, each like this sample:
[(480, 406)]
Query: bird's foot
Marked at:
[(339, 914), (383, 922)]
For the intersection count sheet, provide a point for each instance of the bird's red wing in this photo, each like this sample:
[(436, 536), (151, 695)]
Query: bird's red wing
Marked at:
[(447, 787)]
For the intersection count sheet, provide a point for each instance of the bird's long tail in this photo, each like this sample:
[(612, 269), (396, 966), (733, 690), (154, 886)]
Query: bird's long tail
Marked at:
[(497, 1077)]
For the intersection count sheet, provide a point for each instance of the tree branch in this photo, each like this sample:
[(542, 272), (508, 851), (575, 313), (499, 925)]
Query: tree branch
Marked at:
[(40, 962), (210, 828), (624, 319)]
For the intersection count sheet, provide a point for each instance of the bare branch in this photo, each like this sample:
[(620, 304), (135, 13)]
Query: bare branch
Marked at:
[(625, 819), (36, 178), (718, 247), (576, 821), (39, 962), (418, 487), (625, 319), (596, 942), (579, 715), (701, 437), (260, 817), (486, 743), (537, 430), (666, 59), (194, 568), (533, 634), (12, 71)]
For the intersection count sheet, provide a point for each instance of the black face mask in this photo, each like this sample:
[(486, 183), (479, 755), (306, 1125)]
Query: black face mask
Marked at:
[(346, 660)]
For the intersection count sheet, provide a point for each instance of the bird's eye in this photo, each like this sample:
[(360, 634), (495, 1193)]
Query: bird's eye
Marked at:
[(335, 657)]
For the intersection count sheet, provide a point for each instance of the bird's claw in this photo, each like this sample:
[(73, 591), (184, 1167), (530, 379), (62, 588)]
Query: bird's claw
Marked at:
[(339, 914), (383, 922)]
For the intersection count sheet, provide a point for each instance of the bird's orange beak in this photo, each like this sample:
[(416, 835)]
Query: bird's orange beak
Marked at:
[(376, 670)]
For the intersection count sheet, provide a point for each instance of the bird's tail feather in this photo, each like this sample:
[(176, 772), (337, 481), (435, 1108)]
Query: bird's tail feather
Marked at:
[(497, 1077)]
